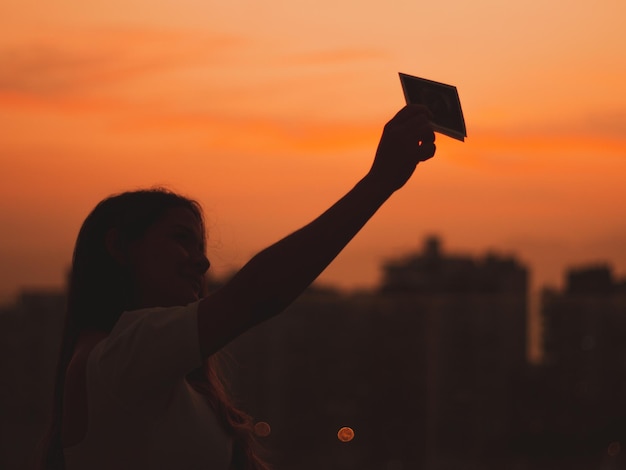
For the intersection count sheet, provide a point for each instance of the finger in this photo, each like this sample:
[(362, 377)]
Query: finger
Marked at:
[(426, 151), (411, 111), (426, 136)]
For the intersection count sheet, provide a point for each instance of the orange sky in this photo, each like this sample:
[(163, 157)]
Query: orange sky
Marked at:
[(267, 112)]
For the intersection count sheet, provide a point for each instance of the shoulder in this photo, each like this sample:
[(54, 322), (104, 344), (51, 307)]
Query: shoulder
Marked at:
[(147, 350), (85, 343)]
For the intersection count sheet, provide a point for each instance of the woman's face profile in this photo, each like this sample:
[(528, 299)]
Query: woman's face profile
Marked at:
[(168, 262)]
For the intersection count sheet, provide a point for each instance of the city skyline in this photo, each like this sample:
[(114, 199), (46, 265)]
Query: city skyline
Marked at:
[(224, 270), (450, 330), (430, 243)]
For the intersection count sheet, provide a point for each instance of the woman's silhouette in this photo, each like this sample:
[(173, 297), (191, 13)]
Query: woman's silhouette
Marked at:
[(137, 382)]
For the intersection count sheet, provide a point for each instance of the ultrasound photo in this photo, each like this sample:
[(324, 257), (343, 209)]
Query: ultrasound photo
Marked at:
[(442, 100)]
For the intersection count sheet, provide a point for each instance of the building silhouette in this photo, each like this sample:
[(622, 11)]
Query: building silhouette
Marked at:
[(578, 412), (29, 346), (470, 316), (430, 370), (425, 368), (433, 272)]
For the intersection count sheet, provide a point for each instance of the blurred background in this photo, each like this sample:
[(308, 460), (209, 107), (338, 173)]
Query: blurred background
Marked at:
[(475, 322)]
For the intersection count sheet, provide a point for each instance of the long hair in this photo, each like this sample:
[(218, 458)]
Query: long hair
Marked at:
[(96, 275)]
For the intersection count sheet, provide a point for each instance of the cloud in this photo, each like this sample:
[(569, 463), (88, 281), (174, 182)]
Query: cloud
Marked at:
[(108, 73), (573, 142), (261, 134), (64, 63), (592, 126), (609, 123)]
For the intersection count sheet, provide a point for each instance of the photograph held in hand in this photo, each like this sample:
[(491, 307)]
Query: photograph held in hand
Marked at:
[(442, 101)]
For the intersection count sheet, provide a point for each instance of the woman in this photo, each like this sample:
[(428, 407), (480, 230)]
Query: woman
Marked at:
[(137, 385)]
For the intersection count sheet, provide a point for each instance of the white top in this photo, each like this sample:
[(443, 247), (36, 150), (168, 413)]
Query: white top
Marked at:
[(142, 412)]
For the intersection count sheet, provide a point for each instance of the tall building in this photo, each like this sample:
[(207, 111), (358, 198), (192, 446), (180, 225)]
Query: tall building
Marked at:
[(433, 272), (584, 345), (29, 345), (464, 321)]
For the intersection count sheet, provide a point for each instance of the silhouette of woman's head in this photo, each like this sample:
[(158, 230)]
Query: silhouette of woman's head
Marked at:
[(141, 249), (137, 249)]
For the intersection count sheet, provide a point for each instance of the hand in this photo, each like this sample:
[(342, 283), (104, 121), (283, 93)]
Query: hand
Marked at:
[(407, 139)]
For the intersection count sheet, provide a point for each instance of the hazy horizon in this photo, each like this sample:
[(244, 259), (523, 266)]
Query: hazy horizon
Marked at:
[(340, 276)]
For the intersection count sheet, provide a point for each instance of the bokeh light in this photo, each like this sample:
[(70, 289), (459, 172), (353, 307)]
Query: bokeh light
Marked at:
[(614, 449), (262, 429), (345, 434)]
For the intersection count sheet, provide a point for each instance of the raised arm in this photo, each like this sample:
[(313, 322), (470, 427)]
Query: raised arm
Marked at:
[(276, 276)]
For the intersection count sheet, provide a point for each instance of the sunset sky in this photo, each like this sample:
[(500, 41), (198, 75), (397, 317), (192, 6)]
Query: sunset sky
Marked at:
[(267, 112)]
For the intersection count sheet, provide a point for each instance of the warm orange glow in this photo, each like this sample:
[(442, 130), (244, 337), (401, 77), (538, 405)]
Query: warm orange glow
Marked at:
[(265, 121), (345, 434)]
